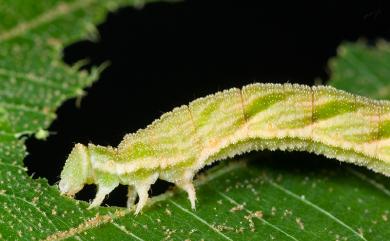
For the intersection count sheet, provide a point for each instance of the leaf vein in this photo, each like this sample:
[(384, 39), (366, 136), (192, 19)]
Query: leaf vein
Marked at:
[(363, 177), (200, 219), (31, 78), (321, 210), (61, 9), (261, 219), (27, 109), (31, 204), (123, 229)]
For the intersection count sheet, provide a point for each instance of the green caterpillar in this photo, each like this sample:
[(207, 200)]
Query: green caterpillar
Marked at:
[(317, 119)]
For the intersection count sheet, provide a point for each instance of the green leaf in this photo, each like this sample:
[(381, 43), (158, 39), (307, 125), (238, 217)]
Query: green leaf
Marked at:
[(362, 69), (275, 196)]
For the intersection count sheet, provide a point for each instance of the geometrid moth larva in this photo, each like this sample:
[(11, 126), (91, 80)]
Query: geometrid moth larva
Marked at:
[(317, 119)]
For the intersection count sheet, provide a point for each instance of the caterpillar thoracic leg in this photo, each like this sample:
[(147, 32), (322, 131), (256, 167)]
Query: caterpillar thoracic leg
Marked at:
[(101, 194)]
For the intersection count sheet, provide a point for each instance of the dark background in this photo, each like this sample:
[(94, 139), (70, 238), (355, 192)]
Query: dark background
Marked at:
[(166, 54)]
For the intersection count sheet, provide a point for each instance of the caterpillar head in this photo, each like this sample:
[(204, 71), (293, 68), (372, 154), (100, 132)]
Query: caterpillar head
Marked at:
[(76, 171)]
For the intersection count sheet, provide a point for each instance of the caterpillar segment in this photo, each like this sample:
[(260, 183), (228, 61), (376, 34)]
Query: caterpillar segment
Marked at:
[(318, 119)]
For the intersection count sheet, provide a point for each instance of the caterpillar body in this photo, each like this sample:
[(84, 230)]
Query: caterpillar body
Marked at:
[(317, 119)]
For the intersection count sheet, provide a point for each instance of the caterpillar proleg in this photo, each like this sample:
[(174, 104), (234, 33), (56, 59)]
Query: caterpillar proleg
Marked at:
[(317, 119)]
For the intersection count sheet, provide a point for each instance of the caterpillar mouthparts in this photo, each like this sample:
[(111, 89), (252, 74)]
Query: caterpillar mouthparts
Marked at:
[(318, 119)]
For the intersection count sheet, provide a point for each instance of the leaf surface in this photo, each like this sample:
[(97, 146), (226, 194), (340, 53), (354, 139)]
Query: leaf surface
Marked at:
[(270, 196), (362, 69)]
